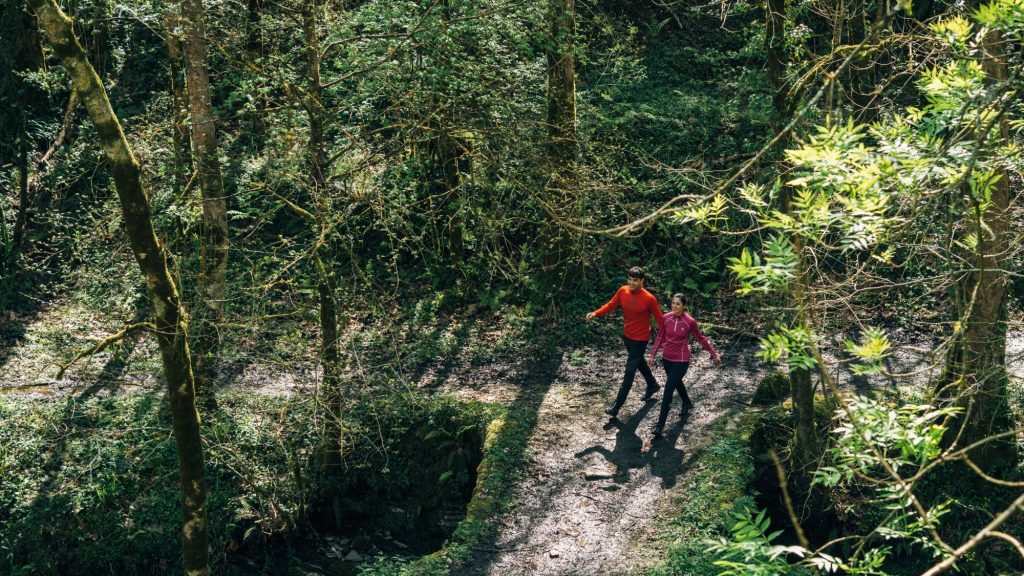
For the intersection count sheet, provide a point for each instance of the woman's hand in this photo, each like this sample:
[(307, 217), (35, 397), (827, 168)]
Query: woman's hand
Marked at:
[(717, 360)]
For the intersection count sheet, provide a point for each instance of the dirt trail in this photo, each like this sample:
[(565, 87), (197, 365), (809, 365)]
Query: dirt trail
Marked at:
[(567, 524)]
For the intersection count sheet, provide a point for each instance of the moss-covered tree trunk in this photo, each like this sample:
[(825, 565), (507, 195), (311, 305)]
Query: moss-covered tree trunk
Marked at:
[(169, 315), (21, 52), (180, 135), (213, 249), (976, 365), (559, 264)]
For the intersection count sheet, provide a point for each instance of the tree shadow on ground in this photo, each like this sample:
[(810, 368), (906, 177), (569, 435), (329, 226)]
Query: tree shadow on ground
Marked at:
[(536, 378), (111, 376), (13, 331)]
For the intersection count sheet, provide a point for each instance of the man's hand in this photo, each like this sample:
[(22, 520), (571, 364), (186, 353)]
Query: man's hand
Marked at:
[(590, 316), (717, 360)]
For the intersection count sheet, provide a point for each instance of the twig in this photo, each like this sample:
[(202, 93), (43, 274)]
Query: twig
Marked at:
[(102, 344), (783, 485), (989, 530)]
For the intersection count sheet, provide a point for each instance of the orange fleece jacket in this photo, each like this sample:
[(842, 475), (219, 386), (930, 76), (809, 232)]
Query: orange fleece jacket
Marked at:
[(638, 308)]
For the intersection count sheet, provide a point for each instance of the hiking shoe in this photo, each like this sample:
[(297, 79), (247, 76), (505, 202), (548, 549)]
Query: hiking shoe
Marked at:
[(657, 430), (650, 392), (687, 406), (612, 409)]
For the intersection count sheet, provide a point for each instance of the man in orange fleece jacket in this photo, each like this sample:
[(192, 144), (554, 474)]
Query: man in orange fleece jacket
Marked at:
[(638, 307)]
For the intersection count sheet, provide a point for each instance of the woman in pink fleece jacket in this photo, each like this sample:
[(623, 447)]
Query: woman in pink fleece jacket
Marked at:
[(677, 326)]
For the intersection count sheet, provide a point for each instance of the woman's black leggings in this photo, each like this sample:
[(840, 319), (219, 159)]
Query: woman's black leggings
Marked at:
[(674, 372)]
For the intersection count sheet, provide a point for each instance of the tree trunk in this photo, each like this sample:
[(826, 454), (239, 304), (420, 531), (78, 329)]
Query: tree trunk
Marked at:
[(179, 102), (213, 250), (255, 49), (561, 80), (775, 46), (976, 365), (559, 264), (152, 259), (806, 449), (19, 40), (327, 285)]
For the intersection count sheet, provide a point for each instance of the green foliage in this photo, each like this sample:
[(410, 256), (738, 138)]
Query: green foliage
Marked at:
[(793, 343), (751, 552), (870, 434), (774, 273), (872, 350), (713, 495)]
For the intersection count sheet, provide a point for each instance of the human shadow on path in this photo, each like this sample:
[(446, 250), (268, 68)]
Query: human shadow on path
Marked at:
[(665, 458), (628, 451)]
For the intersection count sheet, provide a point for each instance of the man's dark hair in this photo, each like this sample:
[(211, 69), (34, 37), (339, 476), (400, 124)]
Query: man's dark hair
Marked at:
[(636, 272)]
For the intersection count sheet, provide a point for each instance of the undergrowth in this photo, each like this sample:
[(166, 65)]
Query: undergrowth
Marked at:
[(90, 486)]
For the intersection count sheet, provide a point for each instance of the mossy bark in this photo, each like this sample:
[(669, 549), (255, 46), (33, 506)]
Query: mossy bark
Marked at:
[(181, 135), (214, 243), (319, 164), (806, 435), (169, 315)]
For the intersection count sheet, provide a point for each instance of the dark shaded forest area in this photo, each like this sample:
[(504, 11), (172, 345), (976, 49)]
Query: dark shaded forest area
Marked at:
[(307, 287)]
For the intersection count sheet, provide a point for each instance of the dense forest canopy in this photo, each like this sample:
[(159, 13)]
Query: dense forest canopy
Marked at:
[(335, 267)]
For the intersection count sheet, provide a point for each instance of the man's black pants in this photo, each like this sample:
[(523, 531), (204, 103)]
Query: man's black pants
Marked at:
[(635, 360), (674, 372)]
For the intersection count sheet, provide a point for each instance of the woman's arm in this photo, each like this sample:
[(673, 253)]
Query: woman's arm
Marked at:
[(703, 341)]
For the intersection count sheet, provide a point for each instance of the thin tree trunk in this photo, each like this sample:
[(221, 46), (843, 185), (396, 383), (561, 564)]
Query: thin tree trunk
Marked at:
[(179, 101), (255, 49), (562, 148), (152, 259), (806, 434), (19, 38), (214, 229), (561, 79), (318, 164)]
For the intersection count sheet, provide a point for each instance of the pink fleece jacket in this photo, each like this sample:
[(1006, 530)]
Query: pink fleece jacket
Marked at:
[(675, 335)]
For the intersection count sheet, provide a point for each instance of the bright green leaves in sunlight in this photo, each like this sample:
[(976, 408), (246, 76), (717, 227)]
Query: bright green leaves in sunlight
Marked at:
[(708, 214), (874, 440), (871, 435), (1004, 15), (793, 344), (841, 189), (830, 158), (751, 550), (774, 272), (873, 349), (956, 31)]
